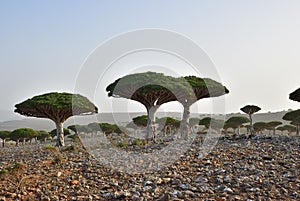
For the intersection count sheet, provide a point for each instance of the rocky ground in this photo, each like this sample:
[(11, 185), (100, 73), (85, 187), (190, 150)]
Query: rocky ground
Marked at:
[(240, 169)]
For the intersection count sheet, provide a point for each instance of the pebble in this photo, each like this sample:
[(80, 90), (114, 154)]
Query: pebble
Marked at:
[(235, 169)]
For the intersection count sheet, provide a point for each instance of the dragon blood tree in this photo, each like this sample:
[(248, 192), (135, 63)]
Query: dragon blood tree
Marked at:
[(250, 109), (295, 96), (58, 107), (195, 88), (294, 117), (150, 89)]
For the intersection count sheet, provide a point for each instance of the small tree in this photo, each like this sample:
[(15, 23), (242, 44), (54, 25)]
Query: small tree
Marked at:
[(272, 125), (294, 117), (108, 128), (58, 107), (259, 127), (250, 109), (141, 121), (4, 135), (22, 134), (236, 122), (290, 128), (43, 135), (205, 122)]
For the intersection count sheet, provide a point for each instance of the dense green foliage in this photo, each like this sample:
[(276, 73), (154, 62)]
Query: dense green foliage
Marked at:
[(236, 121), (291, 116), (142, 83), (290, 128), (199, 88), (273, 124), (110, 128), (4, 134), (140, 121), (205, 122), (56, 106), (294, 117), (260, 126), (23, 134), (43, 135), (250, 109)]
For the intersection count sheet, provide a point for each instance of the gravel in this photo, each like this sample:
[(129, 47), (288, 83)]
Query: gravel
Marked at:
[(241, 169)]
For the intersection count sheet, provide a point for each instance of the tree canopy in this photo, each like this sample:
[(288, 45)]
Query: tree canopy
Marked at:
[(140, 121), (4, 135), (58, 107), (273, 124), (205, 122), (22, 134), (110, 128), (43, 135), (250, 109), (294, 117), (236, 121), (196, 88), (260, 126), (148, 88), (295, 96)]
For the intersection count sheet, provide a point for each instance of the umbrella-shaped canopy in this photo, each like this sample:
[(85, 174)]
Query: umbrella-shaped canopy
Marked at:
[(295, 96)]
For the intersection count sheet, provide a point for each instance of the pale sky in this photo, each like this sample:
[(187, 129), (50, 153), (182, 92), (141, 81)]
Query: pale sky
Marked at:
[(255, 46)]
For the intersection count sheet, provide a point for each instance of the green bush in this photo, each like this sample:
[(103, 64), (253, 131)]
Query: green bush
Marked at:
[(138, 142), (123, 144)]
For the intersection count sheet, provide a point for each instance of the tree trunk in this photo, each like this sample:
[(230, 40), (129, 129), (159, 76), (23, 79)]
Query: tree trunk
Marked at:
[(151, 123), (184, 125), (60, 134), (3, 143), (274, 131), (251, 125), (297, 129), (17, 143)]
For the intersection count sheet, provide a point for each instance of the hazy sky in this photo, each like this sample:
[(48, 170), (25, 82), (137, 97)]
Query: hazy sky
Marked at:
[(255, 45)]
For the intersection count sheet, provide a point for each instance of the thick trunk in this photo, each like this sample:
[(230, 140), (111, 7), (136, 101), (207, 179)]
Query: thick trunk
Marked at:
[(17, 143), (184, 125), (297, 130), (238, 130), (274, 131), (151, 123), (60, 134), (3, 143)]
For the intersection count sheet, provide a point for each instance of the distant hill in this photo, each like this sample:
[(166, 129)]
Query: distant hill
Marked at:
[(122, 119)]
